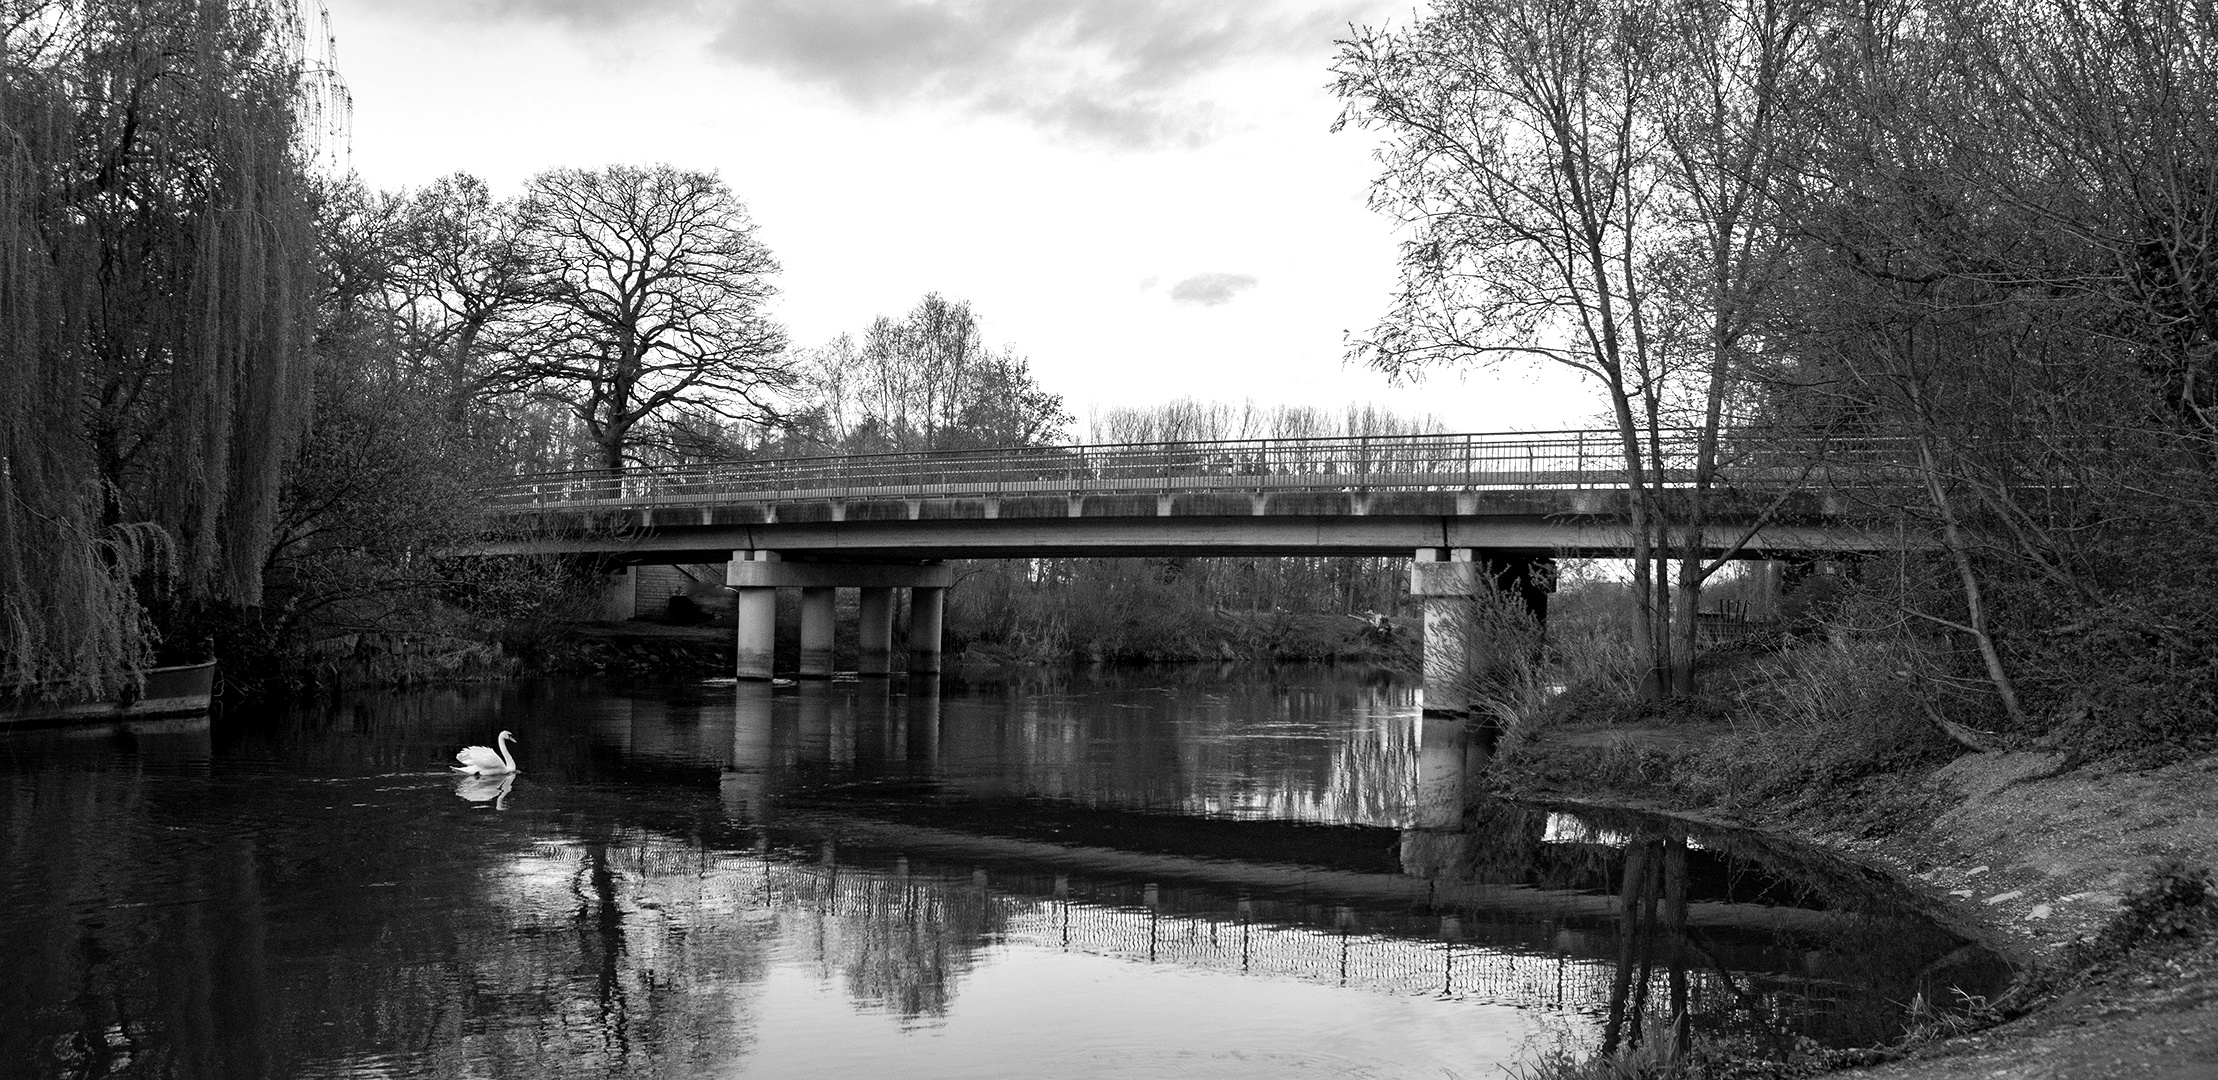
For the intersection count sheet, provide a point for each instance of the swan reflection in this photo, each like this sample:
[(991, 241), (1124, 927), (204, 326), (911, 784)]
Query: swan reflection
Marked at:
[(492, 789)]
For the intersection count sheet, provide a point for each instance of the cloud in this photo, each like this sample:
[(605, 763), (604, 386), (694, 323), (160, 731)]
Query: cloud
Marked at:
[(1210, 290), (1116, 72), (588, 15)]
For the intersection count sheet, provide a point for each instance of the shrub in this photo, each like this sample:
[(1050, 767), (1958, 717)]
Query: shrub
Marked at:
[(1818, 716), (2177, 901)]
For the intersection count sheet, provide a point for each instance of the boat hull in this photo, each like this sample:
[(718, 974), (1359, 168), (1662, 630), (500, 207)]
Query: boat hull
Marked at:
[(178, 690)]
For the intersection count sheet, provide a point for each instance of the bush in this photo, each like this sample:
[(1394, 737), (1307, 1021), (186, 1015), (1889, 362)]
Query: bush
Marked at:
[(2177, 901), (1820, 716)]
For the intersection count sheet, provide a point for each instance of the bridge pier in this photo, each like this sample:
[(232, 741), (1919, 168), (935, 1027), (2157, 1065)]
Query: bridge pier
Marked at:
[(619, 598), (927, 610), (1447, 588), (755, 610), (874, 631), (756, 576), (1459, 643), (817, 607)]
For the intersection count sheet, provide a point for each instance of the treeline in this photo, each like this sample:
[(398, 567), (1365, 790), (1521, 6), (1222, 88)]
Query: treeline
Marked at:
[(1958, 254), (1250, 607), (157, 308), (246, 401)]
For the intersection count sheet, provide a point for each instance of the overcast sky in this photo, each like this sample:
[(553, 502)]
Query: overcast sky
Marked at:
[(1144, 197)]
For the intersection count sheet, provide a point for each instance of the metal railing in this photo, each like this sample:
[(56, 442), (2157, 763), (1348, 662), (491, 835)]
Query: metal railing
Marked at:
[(1592, 459)]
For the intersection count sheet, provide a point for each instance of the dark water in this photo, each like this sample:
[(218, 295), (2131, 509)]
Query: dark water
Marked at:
[(1201, 872)]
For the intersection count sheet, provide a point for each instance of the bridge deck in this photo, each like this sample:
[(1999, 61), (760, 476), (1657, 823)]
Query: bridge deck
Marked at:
[(1561, 492)]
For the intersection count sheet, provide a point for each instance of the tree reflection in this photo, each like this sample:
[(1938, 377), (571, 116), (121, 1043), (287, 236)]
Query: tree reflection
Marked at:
[(1655, 868), (258, 917), (1790, 943), (900, 943)]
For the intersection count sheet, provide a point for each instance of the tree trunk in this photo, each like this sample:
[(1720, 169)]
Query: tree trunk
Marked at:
[(1975, 608)]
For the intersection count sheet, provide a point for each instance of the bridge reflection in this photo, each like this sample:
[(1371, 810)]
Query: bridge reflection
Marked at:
[(308, 896), (867, 803)]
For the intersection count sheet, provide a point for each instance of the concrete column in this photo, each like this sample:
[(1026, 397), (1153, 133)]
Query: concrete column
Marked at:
[(1764, 588), (619, 598), (874, 647), (755, 609), (1447, 588), (927, 606), (1447, 659), (816, 632)]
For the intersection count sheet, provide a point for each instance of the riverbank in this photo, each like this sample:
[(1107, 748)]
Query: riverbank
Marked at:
[(2029, 851)]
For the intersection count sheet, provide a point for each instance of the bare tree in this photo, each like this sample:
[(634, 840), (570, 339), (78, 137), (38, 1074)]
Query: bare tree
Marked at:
[(650, 288), (1591, 182), (1726, 117), (461, 278), (1523, 156), (929, 381)]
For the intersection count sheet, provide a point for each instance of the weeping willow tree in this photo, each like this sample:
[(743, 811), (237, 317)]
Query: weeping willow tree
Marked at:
[(155, 303)]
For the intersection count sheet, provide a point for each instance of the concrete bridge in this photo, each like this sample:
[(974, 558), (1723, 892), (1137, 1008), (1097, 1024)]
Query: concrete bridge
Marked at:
[(1477, 511)]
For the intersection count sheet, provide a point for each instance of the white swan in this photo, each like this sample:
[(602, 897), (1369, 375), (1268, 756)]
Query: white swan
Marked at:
[(480, 761)]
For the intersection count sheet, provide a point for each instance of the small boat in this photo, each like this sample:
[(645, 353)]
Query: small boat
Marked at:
[(173, 690)]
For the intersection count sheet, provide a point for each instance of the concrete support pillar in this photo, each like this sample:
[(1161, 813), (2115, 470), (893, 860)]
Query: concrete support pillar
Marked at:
[(1447, 587), (1447, 659), (1765, 585), (1470, 645), (874, 646), (619, 598), (927, 607), (755, 609), (816, 632)]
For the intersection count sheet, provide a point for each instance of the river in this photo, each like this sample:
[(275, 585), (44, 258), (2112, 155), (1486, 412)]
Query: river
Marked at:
[(1235, 871)]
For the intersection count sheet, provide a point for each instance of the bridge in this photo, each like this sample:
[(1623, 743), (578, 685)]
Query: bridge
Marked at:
[(1478, 512)]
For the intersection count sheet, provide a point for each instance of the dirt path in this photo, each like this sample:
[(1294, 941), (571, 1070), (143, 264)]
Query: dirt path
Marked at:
[(2038, 859)]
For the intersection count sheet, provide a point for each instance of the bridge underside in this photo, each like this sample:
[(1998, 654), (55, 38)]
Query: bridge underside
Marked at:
[(1568, 523), (1463, 544)]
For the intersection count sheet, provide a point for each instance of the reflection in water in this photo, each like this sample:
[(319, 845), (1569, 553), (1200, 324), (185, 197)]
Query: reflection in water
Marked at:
[(1231, 866), (492, 789), (1708, 929)]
